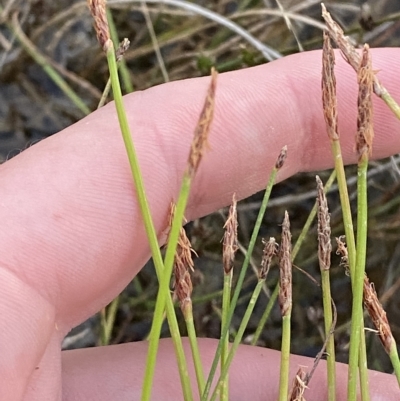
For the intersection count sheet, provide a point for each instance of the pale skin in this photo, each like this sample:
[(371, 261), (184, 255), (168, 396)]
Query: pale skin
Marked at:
[(72, 237)]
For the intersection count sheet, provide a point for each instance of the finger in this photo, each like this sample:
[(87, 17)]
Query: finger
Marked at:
[(116, 372), (82, 237)]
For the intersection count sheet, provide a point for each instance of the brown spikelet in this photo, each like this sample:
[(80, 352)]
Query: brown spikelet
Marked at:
[(342, 252), (269, 251), (281, 158), (365, 129), (98, 10), (324, 228), (329, 99), (122, 49), (377, 315), (230, 241), (183, 264), (299, 386), (285, 267), (202, 130)]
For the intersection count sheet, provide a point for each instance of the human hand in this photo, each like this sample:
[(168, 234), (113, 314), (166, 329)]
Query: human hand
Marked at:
[(72, 236)]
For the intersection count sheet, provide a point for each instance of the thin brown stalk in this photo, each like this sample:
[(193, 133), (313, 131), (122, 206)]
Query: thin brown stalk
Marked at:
[(365, 130), (199, 143), (230, 240), (285, 265), (329, 99)]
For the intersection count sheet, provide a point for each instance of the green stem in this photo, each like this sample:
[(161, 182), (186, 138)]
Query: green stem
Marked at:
[(239, 283), (285, 359), (351, 247), (150, 231), (391, 103), (330, 347), (358, 279), (198, 367), (107, 321), (394, 358), (164, 292), (226, 300), (238, 339)]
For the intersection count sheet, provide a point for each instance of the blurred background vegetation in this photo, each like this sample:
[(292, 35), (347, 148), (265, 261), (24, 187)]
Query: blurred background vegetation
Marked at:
[(188, 38)]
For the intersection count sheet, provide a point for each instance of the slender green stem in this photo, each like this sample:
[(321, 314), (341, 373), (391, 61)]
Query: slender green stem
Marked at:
[(265, 315), (285, 359), (394, 358), (358, 279), (296, 249), (164, 292), (150, 231), (351, 247), (198, 367), (330, 346), (238, 338), (345, 202), (107, 321), (391, 103), (226, 300), (239, 283)]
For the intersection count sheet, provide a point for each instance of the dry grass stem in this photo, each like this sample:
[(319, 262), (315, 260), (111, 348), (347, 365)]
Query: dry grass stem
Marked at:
[(377, 315), (230, 240), (281, 158), (269, 251), (349, 52), (329, 99), (324, 228), (299, 386), (98, 10), (285, 265), (365, 129), (202, 130)]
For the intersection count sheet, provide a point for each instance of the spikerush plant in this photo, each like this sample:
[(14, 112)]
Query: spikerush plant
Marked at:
[(164, 299)]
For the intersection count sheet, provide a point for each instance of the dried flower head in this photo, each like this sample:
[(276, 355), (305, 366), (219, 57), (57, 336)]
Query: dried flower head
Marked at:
[(269, 251), (202, 130), (285, 267), (324, 228), (98, 10), (329, 99), (281, 158), (365, 129), (299, 386), (230, 241), (378, 315)]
